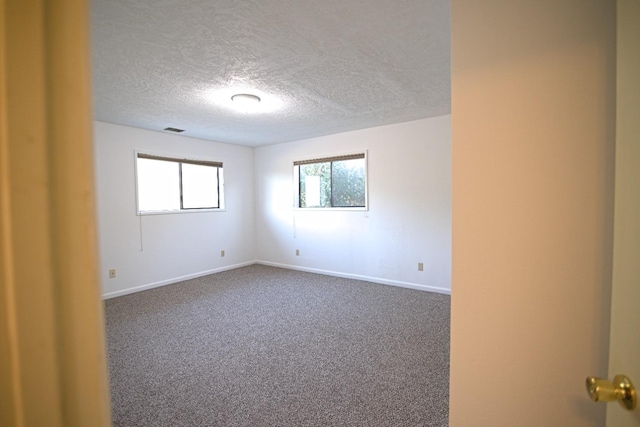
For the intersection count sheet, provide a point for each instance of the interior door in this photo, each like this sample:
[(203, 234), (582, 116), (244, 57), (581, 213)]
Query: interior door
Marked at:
[(624, 357), (52, 349)]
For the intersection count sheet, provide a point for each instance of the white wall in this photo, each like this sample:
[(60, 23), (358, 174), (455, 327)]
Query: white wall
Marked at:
[(157, 249), (409, 216), (408, 221), (533, 96)]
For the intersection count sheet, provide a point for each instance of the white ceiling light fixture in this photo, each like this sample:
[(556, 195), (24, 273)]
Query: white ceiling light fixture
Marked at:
[(245, 99), (246, 103)]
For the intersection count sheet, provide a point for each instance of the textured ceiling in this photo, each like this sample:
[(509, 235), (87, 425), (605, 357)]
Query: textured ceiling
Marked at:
[(320, 67)]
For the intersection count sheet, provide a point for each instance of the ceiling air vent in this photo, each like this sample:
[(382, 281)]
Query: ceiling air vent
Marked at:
[(176, 130)]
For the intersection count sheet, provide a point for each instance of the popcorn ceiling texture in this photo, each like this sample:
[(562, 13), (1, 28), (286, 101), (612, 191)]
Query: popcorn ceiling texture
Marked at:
[(332, 65)]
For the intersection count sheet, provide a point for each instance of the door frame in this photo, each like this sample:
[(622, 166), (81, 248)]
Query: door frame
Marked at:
[(52, 345)]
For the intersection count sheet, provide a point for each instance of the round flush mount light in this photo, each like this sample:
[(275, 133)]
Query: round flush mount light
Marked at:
[(245, 99)]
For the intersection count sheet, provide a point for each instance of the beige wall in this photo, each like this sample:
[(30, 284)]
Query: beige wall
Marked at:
[(533, 118)]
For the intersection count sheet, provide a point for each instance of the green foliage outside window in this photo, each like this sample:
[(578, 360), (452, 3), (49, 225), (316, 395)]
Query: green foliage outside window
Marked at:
[(333, 184)]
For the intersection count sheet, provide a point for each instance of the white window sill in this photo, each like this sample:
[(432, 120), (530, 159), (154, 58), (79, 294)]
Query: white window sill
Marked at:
[(183, 211), (330, 209)]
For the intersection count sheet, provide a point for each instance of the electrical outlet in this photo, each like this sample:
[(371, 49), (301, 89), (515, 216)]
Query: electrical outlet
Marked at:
[(420, 266), (297, 252), (112, 273), (222, 253)]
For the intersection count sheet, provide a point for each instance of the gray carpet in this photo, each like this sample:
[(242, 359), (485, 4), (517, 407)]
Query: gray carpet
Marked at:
[(263, 346)]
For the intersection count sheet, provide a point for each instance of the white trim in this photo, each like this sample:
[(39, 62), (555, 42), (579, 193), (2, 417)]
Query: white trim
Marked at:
[(343, 209), (174, 280), (377, 280), (181, 211)]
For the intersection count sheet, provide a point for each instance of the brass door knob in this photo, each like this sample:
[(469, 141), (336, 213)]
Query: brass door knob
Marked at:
[(620, 389)]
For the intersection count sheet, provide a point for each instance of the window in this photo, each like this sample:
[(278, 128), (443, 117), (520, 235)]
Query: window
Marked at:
[(168, 184), (331, 182)]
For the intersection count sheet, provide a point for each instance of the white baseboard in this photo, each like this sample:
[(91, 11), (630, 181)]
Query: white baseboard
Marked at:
[(359, 277), (173, 280), (409, 285)]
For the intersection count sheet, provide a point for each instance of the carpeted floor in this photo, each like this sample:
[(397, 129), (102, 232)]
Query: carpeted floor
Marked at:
[(263, 346)]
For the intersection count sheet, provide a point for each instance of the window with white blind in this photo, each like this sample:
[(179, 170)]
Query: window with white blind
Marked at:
[(167, 184), (331, 182)]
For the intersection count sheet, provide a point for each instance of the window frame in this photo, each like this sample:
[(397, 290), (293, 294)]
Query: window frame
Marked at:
[(146, 154), (325, 159)]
